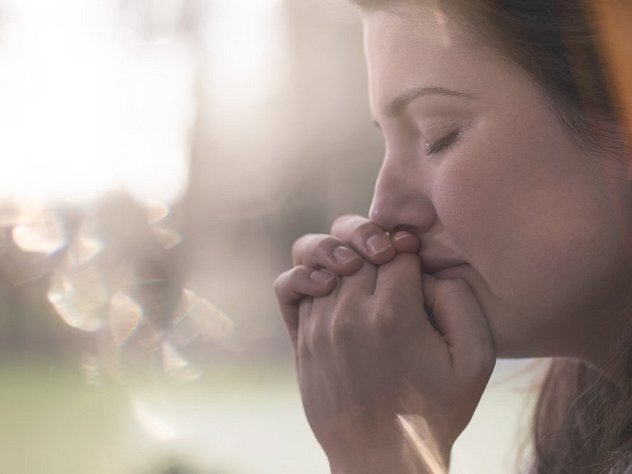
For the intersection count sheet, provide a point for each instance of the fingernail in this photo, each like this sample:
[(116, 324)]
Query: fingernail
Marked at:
[(344, 254), (378, 244), (402, 235), (321, 277)]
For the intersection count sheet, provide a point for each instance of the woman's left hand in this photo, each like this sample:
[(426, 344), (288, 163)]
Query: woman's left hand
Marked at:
[(376, 375)]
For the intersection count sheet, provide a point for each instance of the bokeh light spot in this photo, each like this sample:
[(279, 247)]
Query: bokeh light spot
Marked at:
[(124, 316), (84, 247), (166, 237), (198, 317), (80, 298), (156, 211), (40, 230), (176, 366)]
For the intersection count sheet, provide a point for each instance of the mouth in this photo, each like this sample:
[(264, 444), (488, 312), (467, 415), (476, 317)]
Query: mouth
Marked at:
[(456, 271), (440, 267)]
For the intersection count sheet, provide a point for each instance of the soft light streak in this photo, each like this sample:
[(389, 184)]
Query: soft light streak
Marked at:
[(150, 422), (420, 441)]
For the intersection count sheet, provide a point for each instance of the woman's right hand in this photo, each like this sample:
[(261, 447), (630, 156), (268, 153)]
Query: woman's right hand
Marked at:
[(320, 259)]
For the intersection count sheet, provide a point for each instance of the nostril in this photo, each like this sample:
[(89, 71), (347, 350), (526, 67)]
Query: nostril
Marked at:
[(378, 215), (387, 215)]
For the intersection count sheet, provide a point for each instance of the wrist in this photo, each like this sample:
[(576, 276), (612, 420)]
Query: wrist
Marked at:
[(357, 442), (400, 453)]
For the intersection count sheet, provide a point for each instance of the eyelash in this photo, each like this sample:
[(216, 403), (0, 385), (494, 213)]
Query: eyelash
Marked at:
[(443, 143)]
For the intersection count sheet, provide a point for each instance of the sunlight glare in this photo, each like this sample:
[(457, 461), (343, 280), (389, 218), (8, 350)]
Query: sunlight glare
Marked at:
[(85, 107), (243, 42)]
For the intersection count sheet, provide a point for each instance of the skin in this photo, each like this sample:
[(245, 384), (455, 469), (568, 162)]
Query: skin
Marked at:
[(508, 194), (515, 197)]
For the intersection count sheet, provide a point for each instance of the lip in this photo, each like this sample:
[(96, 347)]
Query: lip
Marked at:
[(440, 266), (455, 271)]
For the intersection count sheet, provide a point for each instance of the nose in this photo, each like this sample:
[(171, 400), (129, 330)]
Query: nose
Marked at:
[(401, 198)]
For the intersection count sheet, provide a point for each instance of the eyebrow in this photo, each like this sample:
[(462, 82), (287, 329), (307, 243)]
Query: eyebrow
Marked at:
[(400, 102)]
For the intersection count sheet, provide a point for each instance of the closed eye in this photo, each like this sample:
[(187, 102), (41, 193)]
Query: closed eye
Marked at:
[(443, 143)]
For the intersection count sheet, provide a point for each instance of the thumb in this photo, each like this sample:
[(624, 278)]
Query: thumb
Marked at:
[(462, 323)]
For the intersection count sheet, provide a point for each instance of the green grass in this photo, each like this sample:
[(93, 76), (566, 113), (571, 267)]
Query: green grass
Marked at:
[(54, 422), (238, 419)]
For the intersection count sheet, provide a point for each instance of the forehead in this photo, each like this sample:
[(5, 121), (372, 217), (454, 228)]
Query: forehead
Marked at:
[(412, 46)]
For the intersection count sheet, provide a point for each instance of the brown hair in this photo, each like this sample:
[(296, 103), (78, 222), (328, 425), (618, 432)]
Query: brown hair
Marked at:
[(583, 420)]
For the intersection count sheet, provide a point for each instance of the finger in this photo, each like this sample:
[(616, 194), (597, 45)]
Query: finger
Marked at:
[(332, 317), (325, 251), (463, 325), (302, 351), (366, 238), (291, 286), (401, 277), (405, 242), (399, 288), (360, 284)]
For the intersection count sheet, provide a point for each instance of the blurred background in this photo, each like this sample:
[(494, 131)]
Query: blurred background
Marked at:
[(159, 157)]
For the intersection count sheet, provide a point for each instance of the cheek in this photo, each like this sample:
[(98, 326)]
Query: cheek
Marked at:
[(522, 213)]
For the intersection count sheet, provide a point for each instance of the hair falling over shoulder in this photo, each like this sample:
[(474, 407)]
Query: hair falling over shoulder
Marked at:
[(583, 421)]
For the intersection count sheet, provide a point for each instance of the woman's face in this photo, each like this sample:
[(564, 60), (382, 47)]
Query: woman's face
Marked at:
[(479, 167)]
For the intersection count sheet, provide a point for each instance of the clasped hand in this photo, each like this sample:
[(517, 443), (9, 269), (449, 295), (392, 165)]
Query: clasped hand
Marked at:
[(391, 362)]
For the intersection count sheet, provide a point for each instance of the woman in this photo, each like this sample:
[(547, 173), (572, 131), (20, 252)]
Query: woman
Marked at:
[(500, 227)]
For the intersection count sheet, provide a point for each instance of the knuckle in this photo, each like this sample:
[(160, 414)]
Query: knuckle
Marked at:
[(384, 324), (366, 228), (280, 283), (291, 282), (315, 337), (397, 296), (383, 316), (314, 248), (324, 288), (324, 247), (341, 328), (343, 219), (347, 222), (300, 243)]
